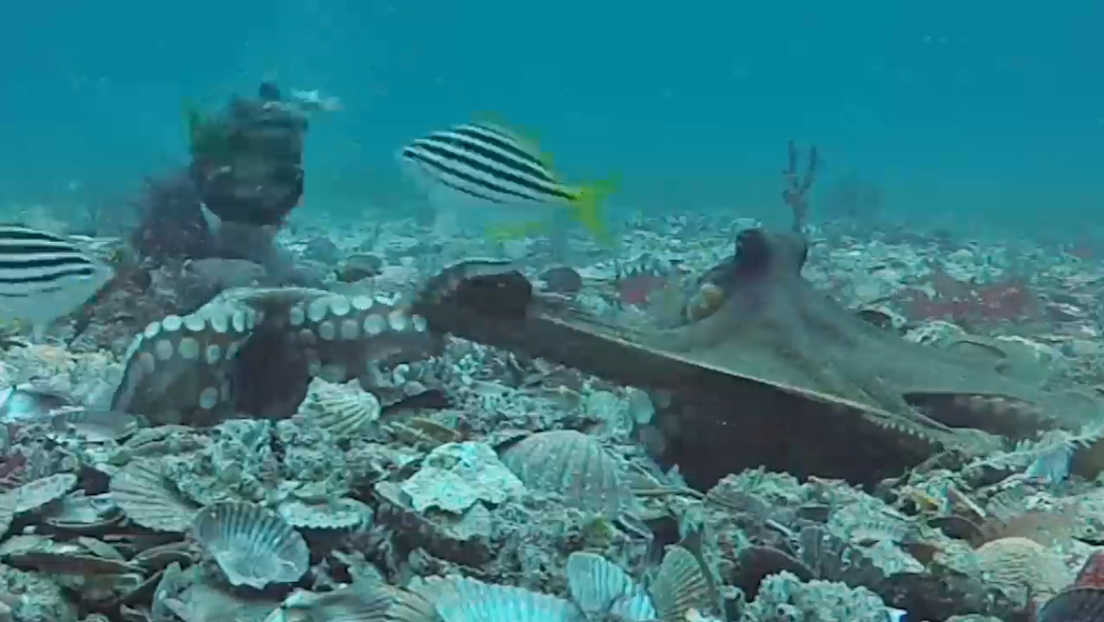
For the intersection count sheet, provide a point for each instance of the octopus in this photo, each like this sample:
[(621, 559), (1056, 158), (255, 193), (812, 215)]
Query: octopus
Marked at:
[(765, 370), (768, 371), (254, 351)]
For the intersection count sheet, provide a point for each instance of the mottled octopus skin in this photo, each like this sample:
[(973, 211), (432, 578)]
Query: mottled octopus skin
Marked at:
[(779, 375), (196, 368)]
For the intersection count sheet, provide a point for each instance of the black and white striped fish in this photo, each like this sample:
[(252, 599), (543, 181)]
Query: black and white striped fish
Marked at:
[(44, 276), (489, 165)]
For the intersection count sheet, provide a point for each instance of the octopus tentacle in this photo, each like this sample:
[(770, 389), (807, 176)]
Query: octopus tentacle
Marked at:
[(197, 369)]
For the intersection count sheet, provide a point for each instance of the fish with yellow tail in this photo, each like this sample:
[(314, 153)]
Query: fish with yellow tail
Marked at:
[(485, 165)]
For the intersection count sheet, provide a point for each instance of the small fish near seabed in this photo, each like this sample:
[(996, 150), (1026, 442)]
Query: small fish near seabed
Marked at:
[(486, 167), (44, 277)]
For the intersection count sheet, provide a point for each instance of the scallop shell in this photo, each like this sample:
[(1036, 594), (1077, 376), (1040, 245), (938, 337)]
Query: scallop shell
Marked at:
[(681, 586), (165, 555), (77, 512), (95, 426), (252, 545), (374, 603), (169, 586), (422, 430), (574, 465), (600, 588), (410, 606), (870, 530), (468, 600), (149, 499), (34, 495), (341, 410), (343, 514), (67, 562)]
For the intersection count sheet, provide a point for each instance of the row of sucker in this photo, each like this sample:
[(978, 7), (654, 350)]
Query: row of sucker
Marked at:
[(181, 365), (346, 337), (185, 369)]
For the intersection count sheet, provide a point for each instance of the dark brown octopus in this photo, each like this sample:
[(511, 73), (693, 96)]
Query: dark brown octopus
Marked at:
[(772, 372)]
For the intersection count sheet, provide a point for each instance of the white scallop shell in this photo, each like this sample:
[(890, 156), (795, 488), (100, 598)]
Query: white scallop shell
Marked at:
[(468, 600), (252, 545), (601, 588), (681, 586), (342, 410), (574, 465)]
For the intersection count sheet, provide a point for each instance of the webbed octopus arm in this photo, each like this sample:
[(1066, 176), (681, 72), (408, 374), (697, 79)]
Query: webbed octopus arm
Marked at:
[(775, 356), (254, 350), (779, 425)]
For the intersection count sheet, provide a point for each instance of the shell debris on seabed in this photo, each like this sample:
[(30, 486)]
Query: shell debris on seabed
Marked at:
[(538, 516), (601, 588)]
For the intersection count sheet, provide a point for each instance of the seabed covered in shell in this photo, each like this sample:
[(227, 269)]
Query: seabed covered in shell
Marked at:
[(908, 423)]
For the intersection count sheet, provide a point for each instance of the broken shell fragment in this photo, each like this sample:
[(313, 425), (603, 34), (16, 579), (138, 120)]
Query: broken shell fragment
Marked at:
[(339, 515), (41, 492)]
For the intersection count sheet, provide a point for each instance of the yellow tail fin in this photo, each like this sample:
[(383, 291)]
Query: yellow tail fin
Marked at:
[(589, 211)]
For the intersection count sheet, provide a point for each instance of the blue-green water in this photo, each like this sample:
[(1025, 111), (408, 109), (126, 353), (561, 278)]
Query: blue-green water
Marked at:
[(982, 110)]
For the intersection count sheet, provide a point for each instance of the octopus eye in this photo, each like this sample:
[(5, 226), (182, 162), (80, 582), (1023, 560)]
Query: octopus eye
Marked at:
[(753, 252)]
